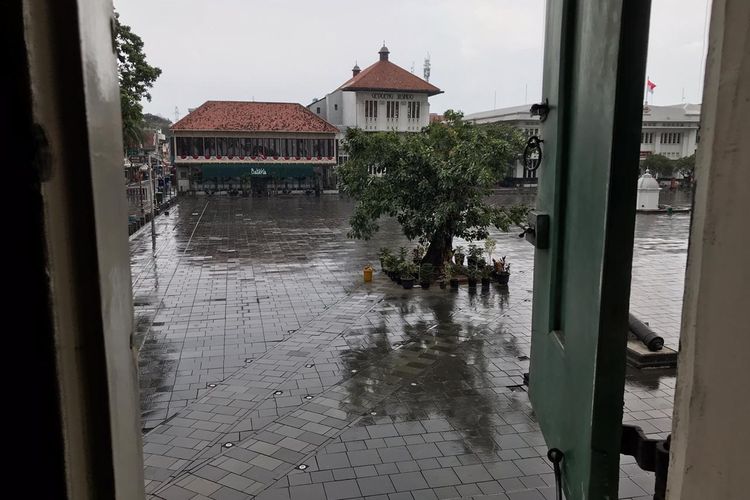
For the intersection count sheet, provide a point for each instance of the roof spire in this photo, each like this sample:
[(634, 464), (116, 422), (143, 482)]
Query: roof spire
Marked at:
[(384, 52), (355, 69)]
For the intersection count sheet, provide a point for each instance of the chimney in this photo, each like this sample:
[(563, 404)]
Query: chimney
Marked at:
[(355, 70), (384, 52)]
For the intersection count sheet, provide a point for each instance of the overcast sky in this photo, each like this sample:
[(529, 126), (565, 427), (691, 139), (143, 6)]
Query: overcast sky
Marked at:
[(484, 53)]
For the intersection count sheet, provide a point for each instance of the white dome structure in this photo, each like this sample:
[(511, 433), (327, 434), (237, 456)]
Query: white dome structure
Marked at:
[(648, 193)]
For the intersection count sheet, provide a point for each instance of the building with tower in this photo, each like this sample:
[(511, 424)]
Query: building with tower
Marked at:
[(381, 97)]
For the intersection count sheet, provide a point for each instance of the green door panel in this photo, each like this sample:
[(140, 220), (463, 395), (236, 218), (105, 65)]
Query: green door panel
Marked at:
[(594, 69)]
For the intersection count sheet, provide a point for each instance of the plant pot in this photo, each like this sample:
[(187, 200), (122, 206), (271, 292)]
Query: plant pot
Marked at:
[(407, 283), (454, 282), (459, 259), (424, 284), (502, 278), (398, 280), (471, 262), (472, 282), (442, 284)]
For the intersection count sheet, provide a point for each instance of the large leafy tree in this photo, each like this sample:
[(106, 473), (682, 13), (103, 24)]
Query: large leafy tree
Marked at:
[(136, 76), (686, 167), (658, 165), (434, 183)]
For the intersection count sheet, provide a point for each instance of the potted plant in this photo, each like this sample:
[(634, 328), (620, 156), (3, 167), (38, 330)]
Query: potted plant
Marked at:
[(459, 255), (400, 264), (449, 273), (390, 264), (486, 272), (475, 253), (409, 270), (473, 274), (425, 275), (501, 270), (383, 255)]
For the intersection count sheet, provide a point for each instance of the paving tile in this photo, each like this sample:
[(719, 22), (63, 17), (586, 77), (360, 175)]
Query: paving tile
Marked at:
[(472, 473), (307, 492), (342, 489), (437, 478), (332, 460), (216, 309), (364, 457), (375, 485), (408, 481)]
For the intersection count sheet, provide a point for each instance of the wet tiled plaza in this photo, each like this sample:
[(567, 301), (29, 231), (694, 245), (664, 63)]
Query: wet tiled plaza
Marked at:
[(268, 369)]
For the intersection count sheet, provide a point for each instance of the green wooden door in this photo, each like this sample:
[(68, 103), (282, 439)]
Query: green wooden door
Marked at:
[(594, 68)]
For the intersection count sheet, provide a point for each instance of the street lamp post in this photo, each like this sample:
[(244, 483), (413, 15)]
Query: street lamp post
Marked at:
[(153, 202)]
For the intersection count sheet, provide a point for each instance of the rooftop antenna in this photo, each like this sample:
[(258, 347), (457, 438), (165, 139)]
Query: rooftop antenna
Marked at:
[(412, 67), (427, 68), (176, 114), (683, 94)]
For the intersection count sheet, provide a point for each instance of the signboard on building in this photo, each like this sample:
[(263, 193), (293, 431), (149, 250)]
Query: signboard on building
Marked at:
[(391, 96)]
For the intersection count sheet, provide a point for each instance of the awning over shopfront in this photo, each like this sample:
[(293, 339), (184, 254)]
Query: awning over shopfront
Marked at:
[(255, 170)]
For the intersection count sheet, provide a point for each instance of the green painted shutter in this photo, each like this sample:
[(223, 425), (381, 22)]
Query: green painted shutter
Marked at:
[(594, 68)]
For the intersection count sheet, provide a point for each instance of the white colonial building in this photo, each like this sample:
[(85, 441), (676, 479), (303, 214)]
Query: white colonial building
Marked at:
[(671, 131), (516, 116), (381, 97)]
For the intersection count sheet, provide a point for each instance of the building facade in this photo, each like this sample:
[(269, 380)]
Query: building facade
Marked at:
[(259, 147), (381, 97), (672, 131), (519, 117)]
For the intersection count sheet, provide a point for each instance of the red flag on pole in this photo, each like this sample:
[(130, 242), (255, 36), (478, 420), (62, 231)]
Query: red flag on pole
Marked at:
[(651, 86)]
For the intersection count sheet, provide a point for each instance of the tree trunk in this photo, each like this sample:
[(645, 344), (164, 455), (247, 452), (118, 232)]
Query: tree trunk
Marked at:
[(440, 250)]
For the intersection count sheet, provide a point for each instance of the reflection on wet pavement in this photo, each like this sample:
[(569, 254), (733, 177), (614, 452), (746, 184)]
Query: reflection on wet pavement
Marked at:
[(263, 351)]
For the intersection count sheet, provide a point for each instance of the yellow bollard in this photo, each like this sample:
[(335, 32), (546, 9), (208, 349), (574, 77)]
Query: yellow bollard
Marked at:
[(368, 273)]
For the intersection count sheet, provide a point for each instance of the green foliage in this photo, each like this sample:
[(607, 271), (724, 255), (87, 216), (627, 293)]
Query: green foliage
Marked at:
[(658, 165), (136, 78), (473, 273), (475, 252), (385, 256), (409, 269), (486, 271), (156, 122), (686, 166), (434, 183)]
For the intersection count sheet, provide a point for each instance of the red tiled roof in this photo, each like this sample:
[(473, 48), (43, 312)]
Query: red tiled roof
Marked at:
[(386, 76), (246, 116)]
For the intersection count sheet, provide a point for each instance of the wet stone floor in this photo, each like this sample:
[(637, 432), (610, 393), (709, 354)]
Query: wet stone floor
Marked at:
[(269, 370)]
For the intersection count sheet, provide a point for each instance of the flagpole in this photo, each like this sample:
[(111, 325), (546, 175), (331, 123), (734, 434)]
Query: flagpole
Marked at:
[(647, 80)]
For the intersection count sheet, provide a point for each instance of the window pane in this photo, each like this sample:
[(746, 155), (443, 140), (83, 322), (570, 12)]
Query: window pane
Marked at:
[(210, 145), (221, 146), (196, 146)]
